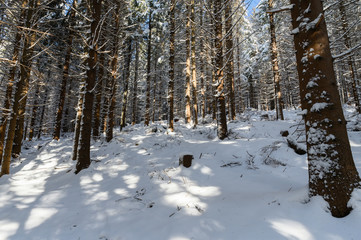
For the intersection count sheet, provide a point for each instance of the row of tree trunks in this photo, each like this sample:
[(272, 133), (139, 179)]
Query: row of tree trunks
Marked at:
[(16, 123)]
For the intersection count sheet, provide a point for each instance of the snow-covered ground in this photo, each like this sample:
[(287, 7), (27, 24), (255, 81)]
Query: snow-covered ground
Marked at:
[(249, 186)]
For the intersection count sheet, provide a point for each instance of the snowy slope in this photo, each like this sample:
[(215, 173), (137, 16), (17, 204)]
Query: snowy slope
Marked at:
[(249, 186)]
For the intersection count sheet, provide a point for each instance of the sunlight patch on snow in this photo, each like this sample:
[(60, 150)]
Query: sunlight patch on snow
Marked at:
[(97, 177), (100, 196), (291, 229), (204, 191), (38, 216), (8, 228), (132, 180)]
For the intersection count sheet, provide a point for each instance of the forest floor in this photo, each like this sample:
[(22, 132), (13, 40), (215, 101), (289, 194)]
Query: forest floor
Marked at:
[(251, 185)]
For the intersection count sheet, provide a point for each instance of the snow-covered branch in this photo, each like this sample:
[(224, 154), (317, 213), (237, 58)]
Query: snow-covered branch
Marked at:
[(349, 51), (281, 9)]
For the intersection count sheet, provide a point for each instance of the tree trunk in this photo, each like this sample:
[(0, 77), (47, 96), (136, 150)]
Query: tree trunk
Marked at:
[(275, 67), (188, 67), (332, 172), (62, 95), (347, 43), (128, 57), (113, 82), (171, 66), (25, 71), (230, 60), (193, 64), (221, 103), (135, 85), (83, 157), (149, 57), (45, 99), (34, 113)]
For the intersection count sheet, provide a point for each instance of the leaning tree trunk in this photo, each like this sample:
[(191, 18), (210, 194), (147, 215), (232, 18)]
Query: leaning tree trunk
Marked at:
[(332, 172), (221, 103), (83, 158)]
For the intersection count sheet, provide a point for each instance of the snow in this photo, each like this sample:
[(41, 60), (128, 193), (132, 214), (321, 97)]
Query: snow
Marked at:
[(249, 186)]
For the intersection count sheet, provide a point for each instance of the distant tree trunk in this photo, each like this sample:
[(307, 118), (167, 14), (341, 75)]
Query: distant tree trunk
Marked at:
[(193, 64), (78, 120), (155, 78), (229, 57), (83, 157), (128, 57), (34, 113), (275, 67), (149, 58), (347, 43), (135, 84), (332, 172), (221, 103), (188, 67), (45, 99), (62, 95), (202, 69), (113, 82), (171, 65), (98, 95)]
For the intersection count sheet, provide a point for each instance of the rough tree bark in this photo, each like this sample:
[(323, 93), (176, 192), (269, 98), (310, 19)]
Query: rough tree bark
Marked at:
[(188, 113), (193, 64), (83, 157), (221, 103), (171, 66), (149, 58), (332, 172)]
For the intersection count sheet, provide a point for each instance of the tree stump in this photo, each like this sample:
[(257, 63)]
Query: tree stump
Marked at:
[(186, 160)]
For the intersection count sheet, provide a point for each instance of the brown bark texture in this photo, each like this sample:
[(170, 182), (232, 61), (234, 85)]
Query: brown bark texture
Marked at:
[(332, 172), (171, 66)]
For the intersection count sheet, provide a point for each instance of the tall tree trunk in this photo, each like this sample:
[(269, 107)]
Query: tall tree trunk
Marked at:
[(79, 112), (135, 85), (332, 172), (188, 113), (34, 113), (62, 95), (128, 57), (230, 60), (171, 66), (275, 67), (45, 99), (221, 103), (193, 64), (347, 43), (114, 75), (149, 57), (203, 69), (83, 158)]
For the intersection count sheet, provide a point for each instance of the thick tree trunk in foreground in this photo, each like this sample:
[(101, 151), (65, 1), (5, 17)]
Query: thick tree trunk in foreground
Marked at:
[(83, 158), (188, 113), (171, 66), (230, 60), (149, 57), (221, 103), (332, 172), (193, 65)]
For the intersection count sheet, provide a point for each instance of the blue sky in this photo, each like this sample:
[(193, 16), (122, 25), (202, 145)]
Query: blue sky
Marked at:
[(253, 3)]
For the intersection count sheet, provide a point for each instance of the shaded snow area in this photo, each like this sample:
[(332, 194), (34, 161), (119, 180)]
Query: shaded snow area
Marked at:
[(252, 185)]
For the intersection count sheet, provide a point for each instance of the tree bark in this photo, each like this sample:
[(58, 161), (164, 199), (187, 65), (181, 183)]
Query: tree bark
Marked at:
[(193, 64), (332, 172), (62, 95), (128, 56), (275, 66), (221, 103), (135, 85), (83, 157), (188, 113), (171, 66), (149, 57), (230, 60)]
